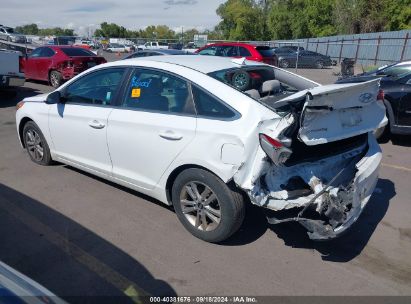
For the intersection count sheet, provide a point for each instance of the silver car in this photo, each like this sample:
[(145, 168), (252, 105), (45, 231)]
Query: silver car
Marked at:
[(8, 33)]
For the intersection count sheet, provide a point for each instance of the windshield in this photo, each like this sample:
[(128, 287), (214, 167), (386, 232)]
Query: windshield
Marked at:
[(397, 71), (76, 52)]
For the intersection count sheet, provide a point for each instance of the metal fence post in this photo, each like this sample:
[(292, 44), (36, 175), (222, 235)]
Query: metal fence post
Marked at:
[(403, 48), (358, 47), (306, 46), (341, 48), (378, 49), (326, 51), (316, 48)]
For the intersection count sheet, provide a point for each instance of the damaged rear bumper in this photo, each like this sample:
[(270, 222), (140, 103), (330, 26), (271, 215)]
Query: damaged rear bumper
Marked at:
[(325, 210)]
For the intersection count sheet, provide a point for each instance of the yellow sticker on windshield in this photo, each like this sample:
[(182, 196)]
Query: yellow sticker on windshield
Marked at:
[(135, 92)]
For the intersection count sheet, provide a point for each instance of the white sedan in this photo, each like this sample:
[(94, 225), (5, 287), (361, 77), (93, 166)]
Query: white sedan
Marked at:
[(208, 135)]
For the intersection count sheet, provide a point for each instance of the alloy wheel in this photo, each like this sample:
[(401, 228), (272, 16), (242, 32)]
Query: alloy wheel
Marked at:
[(54, 80), (34, 145), (200, 206)]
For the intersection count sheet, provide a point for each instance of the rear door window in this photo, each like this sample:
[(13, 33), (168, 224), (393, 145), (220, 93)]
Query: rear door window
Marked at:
[(46, 52), (244, 52)]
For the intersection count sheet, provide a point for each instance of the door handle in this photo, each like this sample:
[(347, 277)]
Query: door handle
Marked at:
[(96, 124), (170, 135)]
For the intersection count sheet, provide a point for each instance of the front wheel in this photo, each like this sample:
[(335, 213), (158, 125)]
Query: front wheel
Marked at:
[(206, 206), (36, 144), (319, 64)]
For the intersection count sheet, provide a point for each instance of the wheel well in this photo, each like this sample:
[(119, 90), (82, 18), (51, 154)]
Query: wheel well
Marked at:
[(21, 127), (172, 177)]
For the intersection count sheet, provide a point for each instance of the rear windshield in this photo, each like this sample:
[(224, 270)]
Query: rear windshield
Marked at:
[(76, 52), (265, 51)]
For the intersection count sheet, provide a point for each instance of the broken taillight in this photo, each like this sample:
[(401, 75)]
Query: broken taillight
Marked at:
[(21, 64), (380, 95), (275, 149), (275, 143)]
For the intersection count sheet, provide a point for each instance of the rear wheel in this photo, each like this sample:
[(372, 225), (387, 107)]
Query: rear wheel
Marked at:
[(55, 79), (284, 63), (36, 144), (206, 206)]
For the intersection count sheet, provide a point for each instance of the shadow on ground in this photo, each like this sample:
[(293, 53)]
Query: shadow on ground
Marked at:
[(10, 97), (342, 249), (350, 245), (401, 140), (66, 258)]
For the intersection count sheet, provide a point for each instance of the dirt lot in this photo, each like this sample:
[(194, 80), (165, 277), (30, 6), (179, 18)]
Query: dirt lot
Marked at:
[(79, 235)]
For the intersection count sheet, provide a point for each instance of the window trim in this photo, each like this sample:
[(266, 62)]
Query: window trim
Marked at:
[(116, 97)]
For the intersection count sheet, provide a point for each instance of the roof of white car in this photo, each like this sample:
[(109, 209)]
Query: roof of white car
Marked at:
[(202, 63)]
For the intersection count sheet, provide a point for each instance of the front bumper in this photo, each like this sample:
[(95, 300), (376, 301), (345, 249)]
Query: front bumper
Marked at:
[(361, 189), (11, 81)]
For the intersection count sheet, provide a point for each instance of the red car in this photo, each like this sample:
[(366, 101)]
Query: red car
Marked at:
[(238, 50), (56, 64)]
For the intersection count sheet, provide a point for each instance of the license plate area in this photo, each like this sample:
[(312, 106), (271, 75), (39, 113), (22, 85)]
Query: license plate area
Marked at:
[(350, 117)]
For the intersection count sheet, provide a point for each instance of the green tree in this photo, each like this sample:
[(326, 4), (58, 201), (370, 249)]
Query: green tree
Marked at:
[(241, 20), (28, 29)]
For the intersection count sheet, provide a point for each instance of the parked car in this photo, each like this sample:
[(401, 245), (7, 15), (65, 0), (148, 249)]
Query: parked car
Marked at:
[(117, 48), (305, 59), (156, 52), (186, 132), (287, 49), (8, 33), (11, 69), (239, 50), (57, 64), (149, 45), (395, 82)]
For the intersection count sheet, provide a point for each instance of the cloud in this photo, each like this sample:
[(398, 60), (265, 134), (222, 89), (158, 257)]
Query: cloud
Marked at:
[(91, 8), (131, 14), (180, 2)]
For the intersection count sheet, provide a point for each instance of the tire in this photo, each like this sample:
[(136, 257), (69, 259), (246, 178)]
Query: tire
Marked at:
[(319, 64), (284, 64), (36, 145), (55, 79), (218, 213), (241, 80)]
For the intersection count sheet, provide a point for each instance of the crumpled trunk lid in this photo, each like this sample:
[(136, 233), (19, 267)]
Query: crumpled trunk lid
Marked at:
[(339, 111)]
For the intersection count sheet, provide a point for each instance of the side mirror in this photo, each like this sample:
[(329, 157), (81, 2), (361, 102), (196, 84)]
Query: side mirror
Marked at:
[(53, 98)]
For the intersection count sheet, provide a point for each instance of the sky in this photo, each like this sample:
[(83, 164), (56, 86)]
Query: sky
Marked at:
[(85, 16)]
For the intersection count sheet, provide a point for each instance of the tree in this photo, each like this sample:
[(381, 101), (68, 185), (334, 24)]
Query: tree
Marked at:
[(241, 20), (28, 29)]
